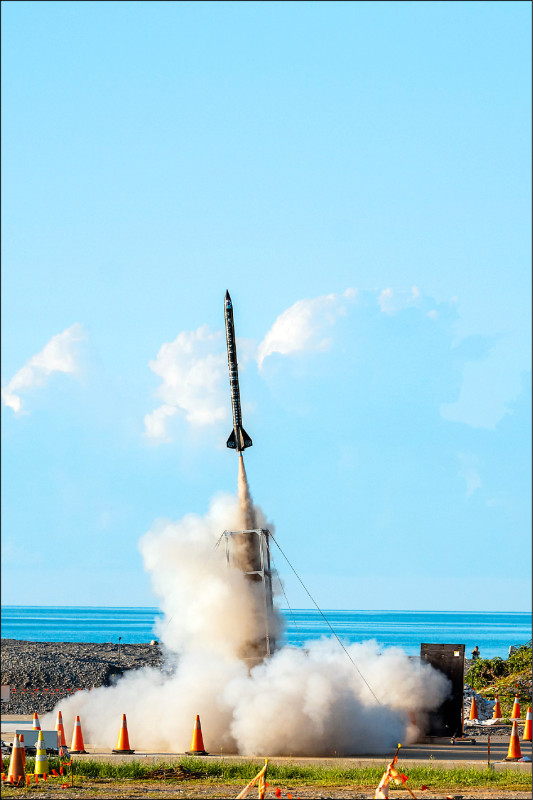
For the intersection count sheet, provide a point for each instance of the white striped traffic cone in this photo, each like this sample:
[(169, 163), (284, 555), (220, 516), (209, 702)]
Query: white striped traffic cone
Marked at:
[(41, 758), (16, 766), (77, 739), (60, 730), (527, 727)]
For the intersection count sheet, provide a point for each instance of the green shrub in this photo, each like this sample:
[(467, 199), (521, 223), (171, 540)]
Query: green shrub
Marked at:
[(503, 672)]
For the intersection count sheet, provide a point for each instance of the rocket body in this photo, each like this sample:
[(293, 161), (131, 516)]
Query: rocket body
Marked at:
[(238, 439)]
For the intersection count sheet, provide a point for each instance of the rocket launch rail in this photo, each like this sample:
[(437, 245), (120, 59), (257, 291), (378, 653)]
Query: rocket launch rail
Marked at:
[(257, 569)]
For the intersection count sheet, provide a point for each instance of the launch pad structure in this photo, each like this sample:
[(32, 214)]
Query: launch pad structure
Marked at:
[(255, 543)]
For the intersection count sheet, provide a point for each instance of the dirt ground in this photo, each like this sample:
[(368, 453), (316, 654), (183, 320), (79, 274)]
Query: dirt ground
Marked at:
[(115, 790), (103, 789)]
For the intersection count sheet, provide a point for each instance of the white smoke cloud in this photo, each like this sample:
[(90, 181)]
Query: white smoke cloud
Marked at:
[(193, 369), (58, 355), (303, 326), (220, 613), (301, 701)]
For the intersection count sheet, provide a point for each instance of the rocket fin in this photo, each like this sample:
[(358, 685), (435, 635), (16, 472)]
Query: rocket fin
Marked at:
[(239, 442), (245, 439)]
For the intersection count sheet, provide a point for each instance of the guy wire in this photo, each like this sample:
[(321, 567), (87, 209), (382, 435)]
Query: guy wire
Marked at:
[(327, 622), (278, 577)]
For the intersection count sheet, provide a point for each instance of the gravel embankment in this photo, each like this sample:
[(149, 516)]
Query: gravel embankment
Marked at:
[(44, 672)]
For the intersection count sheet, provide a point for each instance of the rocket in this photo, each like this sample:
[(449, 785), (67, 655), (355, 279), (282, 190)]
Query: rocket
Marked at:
[(238, 439)]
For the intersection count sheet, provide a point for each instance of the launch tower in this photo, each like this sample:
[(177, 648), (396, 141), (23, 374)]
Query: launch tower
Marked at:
[(249, 551)]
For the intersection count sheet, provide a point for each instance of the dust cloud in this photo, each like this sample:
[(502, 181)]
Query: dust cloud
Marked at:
[(300, 701)]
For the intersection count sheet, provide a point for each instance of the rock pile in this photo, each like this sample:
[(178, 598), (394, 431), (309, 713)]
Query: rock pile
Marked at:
[(485, 708), (44, 672)]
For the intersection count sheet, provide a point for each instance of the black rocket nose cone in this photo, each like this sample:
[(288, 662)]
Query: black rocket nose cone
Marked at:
[(227, 297)]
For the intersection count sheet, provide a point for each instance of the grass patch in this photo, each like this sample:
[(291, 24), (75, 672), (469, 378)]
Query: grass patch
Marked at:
[(230, 772)]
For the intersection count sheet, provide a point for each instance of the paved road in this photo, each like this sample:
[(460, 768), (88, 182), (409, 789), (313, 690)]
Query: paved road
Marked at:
[(440, 752)]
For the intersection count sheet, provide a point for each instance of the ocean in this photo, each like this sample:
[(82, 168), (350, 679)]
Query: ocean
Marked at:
[(493, 632)]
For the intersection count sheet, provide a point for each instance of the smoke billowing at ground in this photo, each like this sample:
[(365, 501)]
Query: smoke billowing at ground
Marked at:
[(308, 701)]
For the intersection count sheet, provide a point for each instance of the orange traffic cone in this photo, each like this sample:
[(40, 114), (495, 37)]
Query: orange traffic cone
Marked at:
[(197, 744), (527, 727), (123, 744), (36, 725), (62, 742), (77, 745), (473, 710), (16, 767), (23, 749), (497, 710), (516, 708), (514, 745)]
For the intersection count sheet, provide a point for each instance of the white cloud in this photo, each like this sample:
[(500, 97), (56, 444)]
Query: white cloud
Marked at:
[(488, 388), (385, 300), (468, 464), (302, 326), (193, 369), (391, 301), (156, 422), (58, 355)]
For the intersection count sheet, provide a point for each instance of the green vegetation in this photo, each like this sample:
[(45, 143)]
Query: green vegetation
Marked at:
[(505, 677), (229, 772)]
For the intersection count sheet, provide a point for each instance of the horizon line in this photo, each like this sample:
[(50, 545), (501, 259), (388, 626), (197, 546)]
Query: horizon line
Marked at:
[(281, 608)]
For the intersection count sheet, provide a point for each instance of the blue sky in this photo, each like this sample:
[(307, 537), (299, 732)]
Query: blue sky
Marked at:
[(358, 175)]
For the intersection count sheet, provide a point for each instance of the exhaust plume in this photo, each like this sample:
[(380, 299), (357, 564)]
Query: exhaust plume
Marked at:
[(246, 504), (301, 701)]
